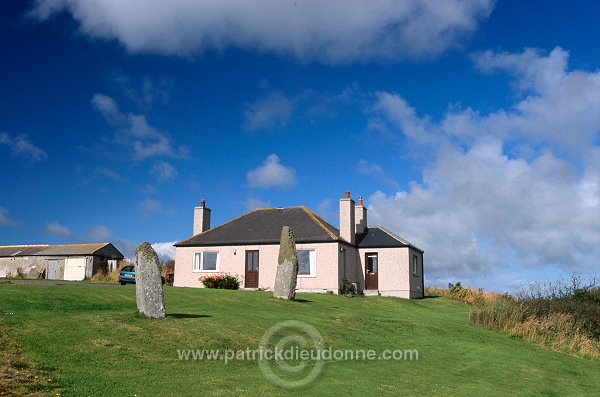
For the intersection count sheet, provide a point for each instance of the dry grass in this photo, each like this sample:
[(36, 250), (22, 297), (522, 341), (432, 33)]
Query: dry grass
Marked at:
[(562, 315), (109, 277), (556, 330), (471, 296)]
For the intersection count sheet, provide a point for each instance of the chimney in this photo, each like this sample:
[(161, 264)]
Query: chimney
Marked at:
[(361, 217), (347, 221), (201, 218)]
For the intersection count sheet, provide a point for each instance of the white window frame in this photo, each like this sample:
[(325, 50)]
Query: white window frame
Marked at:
[(312, 262), (198, 266)]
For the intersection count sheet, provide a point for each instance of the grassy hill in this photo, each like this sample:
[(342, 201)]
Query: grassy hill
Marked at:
[(89, 340)]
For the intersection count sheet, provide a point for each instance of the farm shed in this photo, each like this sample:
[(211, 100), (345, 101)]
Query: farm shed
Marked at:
[(59, 262)]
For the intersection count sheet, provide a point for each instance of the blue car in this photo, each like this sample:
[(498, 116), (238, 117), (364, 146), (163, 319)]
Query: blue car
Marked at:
[(127, 275)]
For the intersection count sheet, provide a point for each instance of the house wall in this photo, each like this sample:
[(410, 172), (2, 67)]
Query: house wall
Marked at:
[(232, 260), (395, 277), (350, 267), (335, 263), (417, 281)]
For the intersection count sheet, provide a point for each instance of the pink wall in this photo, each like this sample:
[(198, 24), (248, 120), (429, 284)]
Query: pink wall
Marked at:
[(395, 276), (232, 260)]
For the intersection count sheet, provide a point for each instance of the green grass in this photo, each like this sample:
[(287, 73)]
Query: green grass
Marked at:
[(91, 342)]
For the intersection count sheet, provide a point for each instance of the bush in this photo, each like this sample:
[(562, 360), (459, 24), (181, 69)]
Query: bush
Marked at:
[(468, 295), (348, 289), (221, 281), (558, 314)]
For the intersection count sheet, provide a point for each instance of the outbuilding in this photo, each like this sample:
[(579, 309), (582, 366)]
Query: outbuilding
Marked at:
[(58, 262)]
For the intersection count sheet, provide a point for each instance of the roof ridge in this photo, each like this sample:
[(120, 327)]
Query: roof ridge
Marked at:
[(25, 245), (320, 221), (50, 245), (223, 224), (398, 237), (392, 234)]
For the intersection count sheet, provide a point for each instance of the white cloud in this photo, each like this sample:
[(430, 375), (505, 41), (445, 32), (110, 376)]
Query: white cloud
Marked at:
[(20, 146), (100, 233), (143, 91), (148, 189), (481, 204), (5, 220), (555, 107), (163, 172), (110, 174), (134, 131), (269, 112), (335, 31), (377, 172), (560, 106), (165, 251), (57, 229), (324, 208), (253, 203), (271, 174), (149, 206)]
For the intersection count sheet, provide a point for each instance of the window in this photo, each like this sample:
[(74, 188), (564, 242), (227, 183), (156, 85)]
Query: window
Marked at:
[(306, 263), (371, 263), (206, 262), (415, 265)]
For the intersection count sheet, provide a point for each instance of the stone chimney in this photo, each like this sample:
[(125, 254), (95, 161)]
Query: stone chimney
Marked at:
[(361, 217), (201, 218), (347, 220)]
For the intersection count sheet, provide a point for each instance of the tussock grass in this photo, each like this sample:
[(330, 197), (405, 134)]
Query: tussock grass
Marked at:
[(471, 296), (565, 317), (106, 277)]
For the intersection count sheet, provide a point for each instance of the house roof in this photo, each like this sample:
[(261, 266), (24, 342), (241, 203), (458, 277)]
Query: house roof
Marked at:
[(380, 237), (100, 249), (263, 226)]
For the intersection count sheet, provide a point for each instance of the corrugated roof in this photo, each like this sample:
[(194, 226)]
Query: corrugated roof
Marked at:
[(54, 250), (263, 226)]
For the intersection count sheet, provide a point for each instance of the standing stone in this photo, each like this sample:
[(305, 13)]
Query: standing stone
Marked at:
[(287, 269), (148, 283)]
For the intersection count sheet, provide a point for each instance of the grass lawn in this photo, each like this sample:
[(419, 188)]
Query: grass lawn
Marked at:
[(91, 342)]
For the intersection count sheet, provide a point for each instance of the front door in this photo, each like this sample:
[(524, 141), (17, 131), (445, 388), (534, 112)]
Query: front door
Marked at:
[(251, 280), (371, 270)]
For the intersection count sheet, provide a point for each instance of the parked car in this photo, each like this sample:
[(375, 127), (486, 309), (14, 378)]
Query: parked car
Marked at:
[(127, 275)]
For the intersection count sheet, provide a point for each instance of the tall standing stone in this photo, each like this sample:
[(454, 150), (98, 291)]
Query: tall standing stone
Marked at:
[(287, 268), (148, 283)]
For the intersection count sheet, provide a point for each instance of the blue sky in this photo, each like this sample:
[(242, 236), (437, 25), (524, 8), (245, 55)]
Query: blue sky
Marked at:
[(471, 128)]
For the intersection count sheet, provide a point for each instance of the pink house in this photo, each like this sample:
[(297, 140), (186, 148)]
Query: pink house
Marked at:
[(376, 260)]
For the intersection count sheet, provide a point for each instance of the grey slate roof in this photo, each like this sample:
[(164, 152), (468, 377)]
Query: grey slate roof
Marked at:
[(263, 226), (379, 237), (100, 249)]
